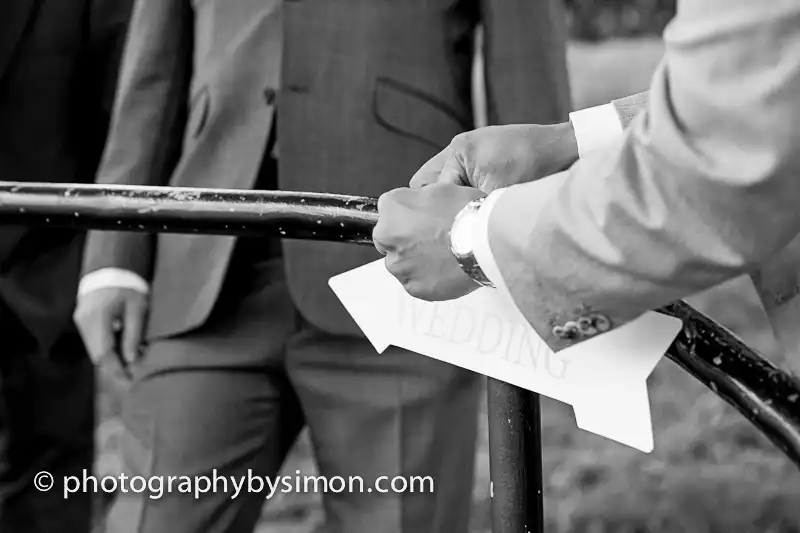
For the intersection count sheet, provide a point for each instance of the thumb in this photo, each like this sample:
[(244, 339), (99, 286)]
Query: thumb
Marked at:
[(454, 173), (429, 172), (133, 328)]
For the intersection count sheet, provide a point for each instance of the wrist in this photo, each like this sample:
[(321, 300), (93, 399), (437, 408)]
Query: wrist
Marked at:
[(461, 239)]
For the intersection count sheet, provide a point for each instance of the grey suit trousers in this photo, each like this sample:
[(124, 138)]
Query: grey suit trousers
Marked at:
[(233, 395)]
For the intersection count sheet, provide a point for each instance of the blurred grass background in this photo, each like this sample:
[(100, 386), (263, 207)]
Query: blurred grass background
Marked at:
[(711, 472)]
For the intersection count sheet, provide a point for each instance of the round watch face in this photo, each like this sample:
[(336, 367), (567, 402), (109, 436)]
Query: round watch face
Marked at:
[(461, 234)]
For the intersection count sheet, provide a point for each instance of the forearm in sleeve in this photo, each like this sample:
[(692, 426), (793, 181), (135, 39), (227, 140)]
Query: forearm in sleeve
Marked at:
[(699, 188), (147, 123), (108, 27)]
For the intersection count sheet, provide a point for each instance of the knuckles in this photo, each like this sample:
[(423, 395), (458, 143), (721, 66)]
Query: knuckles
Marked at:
[(395, 267), (417, 291), (424, 290), (390, 200), (391, 206), (383, 201)]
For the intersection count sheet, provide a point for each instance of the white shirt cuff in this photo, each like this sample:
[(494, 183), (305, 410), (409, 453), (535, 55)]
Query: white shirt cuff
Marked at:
[(480, 241), (106, 278), (595, 127)]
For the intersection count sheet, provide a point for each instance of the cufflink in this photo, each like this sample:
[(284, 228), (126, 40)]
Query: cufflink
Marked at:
[(585, 326), (601, 322), (568, 331)]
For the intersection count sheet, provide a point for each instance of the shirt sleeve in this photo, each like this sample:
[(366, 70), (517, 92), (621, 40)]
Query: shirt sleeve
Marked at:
[(106, 278), (596, 127), (700, 188), (480, 241)]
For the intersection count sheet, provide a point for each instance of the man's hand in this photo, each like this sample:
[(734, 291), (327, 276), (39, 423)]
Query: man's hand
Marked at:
[(500, 156), (413, 232), (111, 322)]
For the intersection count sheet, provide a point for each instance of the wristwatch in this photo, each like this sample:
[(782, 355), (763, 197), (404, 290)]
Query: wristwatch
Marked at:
[(461, 245)]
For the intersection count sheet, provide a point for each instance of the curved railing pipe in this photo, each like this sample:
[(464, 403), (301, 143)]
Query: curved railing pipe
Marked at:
[(766, 395)]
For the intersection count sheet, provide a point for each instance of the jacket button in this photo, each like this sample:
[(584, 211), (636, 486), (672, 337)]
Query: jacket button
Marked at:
[(269, 95)]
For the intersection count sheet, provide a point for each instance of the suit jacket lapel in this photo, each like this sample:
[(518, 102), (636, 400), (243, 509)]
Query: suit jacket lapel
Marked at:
[(14, 18)]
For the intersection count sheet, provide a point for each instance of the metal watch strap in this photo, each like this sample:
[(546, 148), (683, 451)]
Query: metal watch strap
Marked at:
[(468, 262), (472, 269)]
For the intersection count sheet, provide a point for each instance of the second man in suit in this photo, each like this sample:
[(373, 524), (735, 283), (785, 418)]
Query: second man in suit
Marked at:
[(245, 341)]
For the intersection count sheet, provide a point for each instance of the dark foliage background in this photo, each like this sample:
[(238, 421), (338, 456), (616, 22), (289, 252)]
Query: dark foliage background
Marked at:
[(595, 20)]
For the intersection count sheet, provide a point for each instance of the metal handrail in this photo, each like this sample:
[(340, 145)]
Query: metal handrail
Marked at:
[(766, 395)]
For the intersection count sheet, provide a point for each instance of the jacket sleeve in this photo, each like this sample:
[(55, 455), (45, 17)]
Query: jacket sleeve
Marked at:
[(103, 28), (147, 122), (629, 107), (108, 24), (701, 187), (525, 61)]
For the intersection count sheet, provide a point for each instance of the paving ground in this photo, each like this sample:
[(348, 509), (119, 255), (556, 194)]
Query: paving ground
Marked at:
[(710, 471)]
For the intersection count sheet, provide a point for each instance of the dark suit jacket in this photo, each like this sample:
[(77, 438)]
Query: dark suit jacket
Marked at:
[(57, 73), (370, 90)]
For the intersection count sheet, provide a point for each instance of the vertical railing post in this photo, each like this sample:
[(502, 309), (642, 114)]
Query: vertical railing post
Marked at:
[(515, 459)]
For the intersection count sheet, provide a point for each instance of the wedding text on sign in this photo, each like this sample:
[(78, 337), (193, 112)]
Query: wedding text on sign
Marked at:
[(484, 332), (157, 486)]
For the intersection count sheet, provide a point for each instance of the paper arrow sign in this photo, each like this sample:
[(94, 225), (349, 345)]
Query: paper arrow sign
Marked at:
[(603, 378)]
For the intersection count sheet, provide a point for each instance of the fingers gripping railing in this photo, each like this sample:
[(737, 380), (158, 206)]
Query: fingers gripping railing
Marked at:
[(764, 394)]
